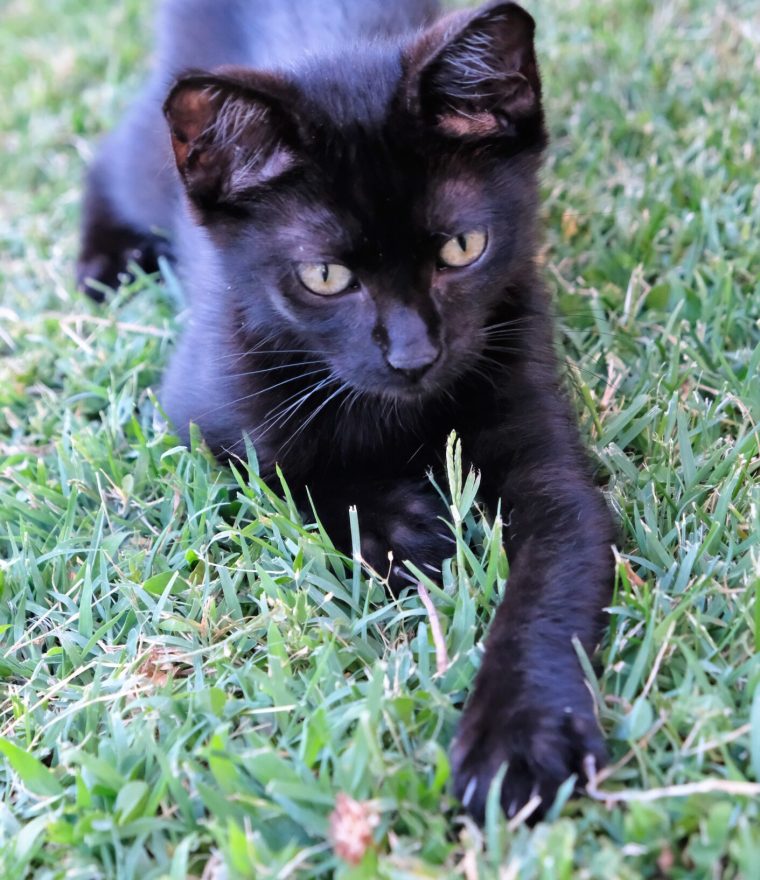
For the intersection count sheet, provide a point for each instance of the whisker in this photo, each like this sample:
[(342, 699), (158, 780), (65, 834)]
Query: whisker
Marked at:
[(282, 413), (504, 349), (605, 380), (506, 333), (483, 373), (238, 355), (261, 391), (513, 322), (341, 388), (271, 369), (348, 402), (258, 348)]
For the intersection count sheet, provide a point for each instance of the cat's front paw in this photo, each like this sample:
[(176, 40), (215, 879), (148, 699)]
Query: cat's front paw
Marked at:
[(542, 743), (405, 524)]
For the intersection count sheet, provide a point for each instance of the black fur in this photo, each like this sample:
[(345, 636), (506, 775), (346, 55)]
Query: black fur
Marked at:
[(388, 137)]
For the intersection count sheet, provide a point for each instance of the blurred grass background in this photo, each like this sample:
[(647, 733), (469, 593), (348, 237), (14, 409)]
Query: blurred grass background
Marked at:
[(189, 675)]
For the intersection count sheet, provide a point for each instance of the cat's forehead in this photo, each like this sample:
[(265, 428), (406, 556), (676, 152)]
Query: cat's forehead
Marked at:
[(354, 88), (366, 217), (376, 177)]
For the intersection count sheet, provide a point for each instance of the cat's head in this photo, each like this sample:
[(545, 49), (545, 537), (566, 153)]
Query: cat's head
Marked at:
[(375, 207)]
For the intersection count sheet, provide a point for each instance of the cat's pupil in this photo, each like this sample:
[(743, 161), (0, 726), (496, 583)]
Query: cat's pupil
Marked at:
[(325, 272), (462, 242)]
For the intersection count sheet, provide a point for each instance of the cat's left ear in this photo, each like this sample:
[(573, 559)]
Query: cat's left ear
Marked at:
[(474, 75)]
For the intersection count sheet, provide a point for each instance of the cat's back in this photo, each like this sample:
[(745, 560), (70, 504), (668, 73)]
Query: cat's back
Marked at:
[(276, 33)]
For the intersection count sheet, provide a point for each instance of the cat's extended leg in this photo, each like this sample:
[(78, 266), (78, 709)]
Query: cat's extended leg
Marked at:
[(531, 708), (398, 517)]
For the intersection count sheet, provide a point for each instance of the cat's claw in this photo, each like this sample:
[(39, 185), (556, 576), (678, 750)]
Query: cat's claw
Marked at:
[(472, 787), (540, 748)]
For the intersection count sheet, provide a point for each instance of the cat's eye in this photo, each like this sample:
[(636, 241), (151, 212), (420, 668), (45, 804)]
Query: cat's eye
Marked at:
[(462, 250), (325, 279)]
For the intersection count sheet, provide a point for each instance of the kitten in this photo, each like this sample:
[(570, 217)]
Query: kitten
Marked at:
[(353, 214)]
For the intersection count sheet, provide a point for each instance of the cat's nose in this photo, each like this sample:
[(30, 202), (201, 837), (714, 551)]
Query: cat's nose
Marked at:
[(413, 363), (407, 340)]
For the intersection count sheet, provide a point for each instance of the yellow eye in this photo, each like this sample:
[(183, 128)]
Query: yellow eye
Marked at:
[(325, 279), (464, 249)]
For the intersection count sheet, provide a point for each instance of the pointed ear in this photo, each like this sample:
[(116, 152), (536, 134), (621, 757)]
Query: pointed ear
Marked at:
[(474, 75), (231, 133)]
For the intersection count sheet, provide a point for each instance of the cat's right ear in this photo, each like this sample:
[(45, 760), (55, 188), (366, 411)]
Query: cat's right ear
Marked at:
[(231, 134)]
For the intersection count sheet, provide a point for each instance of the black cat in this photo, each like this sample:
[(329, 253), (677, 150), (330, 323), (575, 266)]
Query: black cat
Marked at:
[(353, 215)]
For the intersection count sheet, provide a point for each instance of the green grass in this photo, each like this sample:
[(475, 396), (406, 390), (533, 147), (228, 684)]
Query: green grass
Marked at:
[(189, 676)]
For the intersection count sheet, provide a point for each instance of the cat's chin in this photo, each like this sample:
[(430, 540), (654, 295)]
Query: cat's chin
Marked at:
[(414, 395), (402, 392)]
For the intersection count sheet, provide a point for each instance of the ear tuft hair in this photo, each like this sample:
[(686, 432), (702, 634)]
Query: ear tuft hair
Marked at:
[(230, 135), (475, 75)]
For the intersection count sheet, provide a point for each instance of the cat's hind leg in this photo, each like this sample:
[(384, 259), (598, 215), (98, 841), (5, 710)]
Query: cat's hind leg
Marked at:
[(110, 245), (129, 201)]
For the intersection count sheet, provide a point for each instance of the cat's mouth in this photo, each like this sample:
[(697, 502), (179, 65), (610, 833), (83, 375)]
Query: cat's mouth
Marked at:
[(410, 387)]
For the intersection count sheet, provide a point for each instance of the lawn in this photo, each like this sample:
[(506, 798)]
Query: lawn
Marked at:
[(190, 676)]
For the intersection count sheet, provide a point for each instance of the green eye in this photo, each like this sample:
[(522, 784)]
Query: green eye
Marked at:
[(464, 249), (325, 279)]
